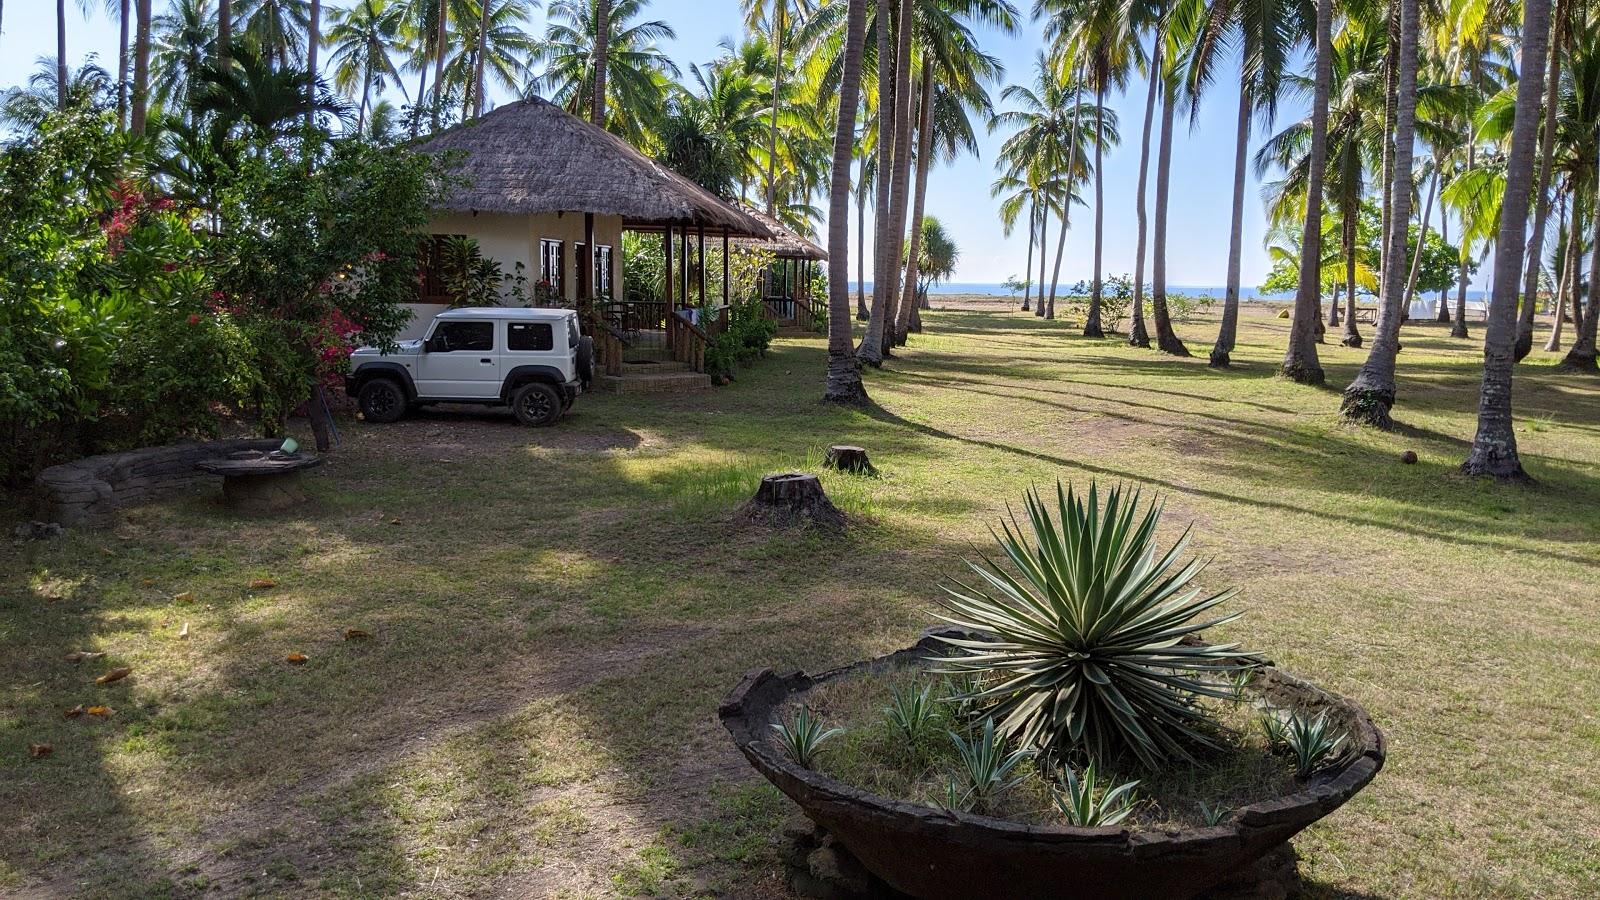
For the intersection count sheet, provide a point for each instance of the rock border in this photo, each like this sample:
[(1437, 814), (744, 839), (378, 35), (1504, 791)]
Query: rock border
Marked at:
[(943, 855), (89, 491)]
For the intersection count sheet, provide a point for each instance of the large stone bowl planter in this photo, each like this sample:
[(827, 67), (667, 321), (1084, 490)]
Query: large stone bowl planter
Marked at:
[(936, 854)]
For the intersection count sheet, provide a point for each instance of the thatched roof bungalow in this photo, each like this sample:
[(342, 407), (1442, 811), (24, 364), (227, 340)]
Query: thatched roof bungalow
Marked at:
[(553, 193), (786, 287)]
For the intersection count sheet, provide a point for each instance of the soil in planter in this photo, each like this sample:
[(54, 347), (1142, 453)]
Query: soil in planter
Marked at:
[(873, 755)]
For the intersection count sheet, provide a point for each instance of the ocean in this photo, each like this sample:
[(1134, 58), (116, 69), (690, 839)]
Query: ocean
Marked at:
[(1475, 297)]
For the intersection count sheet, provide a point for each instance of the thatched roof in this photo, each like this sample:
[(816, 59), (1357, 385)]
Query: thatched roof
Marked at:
[(785, 242), (531, 157)]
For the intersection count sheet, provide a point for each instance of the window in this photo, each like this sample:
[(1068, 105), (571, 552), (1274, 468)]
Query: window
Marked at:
[(466, 336), (572, 331), (530, 336), (602, 271), (430, 276), (551, 264)]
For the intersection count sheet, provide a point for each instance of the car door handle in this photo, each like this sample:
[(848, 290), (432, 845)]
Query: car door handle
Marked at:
[(486, 360)]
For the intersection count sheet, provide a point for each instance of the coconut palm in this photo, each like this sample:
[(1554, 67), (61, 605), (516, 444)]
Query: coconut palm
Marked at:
[(1541, 208), (1368, 399), (140, 107), (1104, 36), (180, 46), (494, 34), (776, 17), (274, 28), (844, 378), (636, 69), (1494, 447), (252, 97), (1265, 33), (1300, 361), (359, 39)]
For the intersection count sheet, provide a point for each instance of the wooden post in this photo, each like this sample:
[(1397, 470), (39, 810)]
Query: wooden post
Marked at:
[(724, 267), (666, 251), (586, 280), (701, 235), (683, 266)]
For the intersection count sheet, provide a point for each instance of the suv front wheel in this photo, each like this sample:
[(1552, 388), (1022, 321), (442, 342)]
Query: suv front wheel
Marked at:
[(382, 400), (536, 403)]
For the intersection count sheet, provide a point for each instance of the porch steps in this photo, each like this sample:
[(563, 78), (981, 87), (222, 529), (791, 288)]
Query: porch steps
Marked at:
[(682, 381), (654, 368)]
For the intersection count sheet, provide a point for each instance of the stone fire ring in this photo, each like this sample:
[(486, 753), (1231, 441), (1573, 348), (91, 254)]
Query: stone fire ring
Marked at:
[(261, 482), (937, 854)]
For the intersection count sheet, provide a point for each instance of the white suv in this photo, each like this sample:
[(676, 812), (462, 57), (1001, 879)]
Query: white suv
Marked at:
[(534, 360)]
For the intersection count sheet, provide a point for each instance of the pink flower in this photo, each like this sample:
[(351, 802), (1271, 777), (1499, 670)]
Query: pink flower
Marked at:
[(194, 318)]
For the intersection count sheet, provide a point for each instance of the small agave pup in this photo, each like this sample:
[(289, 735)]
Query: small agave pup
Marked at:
[(1089, 640)]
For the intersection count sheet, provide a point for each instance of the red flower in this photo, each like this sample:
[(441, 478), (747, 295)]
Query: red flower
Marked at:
[(194, 318)]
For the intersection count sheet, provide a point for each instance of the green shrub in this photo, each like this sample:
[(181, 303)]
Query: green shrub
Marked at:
[(1083, 635)]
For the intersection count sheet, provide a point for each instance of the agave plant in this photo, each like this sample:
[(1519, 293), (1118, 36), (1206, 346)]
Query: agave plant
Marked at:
[(803, 738), (1312, 741), (911, 712), (1087, 803), (988, 766), (1090, 635)]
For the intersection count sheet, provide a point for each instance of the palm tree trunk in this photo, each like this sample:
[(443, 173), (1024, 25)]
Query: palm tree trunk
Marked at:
[(141, 68), (1369, 398), (602, 64), (1459, 329), (1494, 447), (844, 378), (1391, 99), (1569, 261), (482, 62), (861, 243), (1091, 325), (1027, 270), (313, 41), (1066, 205), (224, 32), (1422, 242), (440, 45), (1541, 207), (871, 349), (422, 91), (1137, 335), (1444, 300), (1222, 350), (908, 298), (779, 8), (366, 92), (1300, 361), (1044, 243), (61, 54), (1352, 334), (122, 63), (1166, 339), (901, 184), (1581, 358)]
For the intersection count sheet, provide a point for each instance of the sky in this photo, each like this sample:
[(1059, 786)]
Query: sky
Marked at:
[(1202, 158)]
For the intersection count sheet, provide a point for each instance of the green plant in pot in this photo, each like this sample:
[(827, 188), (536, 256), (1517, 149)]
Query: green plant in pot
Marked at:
[(1088, 644)]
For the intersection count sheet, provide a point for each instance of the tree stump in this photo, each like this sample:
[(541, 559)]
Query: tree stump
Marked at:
[(792, 497), (847, 458)]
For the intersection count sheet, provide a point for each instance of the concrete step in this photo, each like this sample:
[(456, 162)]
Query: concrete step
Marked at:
[(654, 368), (656, 383)]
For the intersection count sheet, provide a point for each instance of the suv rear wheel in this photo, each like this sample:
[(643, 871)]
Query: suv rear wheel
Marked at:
[(536, 403), (382, 400)]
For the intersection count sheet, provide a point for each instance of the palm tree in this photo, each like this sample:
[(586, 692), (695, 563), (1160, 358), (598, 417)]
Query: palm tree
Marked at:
[(1266, 32), (776, 16), (1494, 447), (359, 39), (1104, 35), (314, 43), (844, 378), (1541, 209), (61, 53), (636, 69), (955, 74), (871, 349), (1368, 399), (180, 43), (141, 68), (1300, 362), (224, 31), (252, 97), (602, 61), (1137, 335), (1167, 340), (275, 28)]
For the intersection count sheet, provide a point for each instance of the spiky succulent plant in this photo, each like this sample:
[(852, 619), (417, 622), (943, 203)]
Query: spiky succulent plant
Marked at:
[(1082, 635)]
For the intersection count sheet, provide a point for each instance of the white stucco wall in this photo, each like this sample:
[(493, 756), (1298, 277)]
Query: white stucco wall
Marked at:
[(509, 240)]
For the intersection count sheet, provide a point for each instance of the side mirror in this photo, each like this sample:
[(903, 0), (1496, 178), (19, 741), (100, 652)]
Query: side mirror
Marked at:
[(432, 345)]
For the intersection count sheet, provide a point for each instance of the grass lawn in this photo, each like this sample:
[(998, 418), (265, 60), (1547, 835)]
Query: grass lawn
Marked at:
[(554, 616)]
